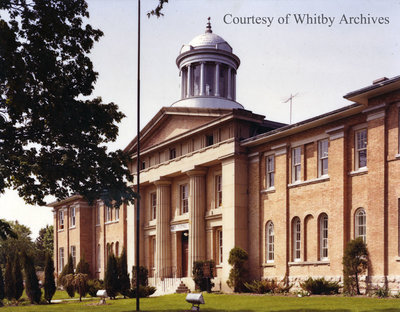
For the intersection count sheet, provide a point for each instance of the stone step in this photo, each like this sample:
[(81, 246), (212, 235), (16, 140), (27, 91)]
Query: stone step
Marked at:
[(182, 288)]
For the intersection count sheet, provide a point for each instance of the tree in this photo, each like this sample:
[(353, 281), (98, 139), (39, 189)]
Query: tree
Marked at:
[(237, 258), (5, 230), (83, 267), (123, 275), (44, 244), (9, 285), (31, 281), (355, 263), (52, 135), (80, 283), (66, 281), (111, 278), (18, 279), (157, 11), (49, 283), (2, 295)]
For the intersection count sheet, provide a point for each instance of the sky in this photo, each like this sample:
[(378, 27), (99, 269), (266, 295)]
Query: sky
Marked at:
[(342, 46)]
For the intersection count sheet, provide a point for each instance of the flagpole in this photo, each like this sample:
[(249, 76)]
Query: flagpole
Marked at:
[(138, 165)]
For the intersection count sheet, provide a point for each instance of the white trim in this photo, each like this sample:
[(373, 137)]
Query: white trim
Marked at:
[(309, 140), (360, 126), (376, 116), (301, 183), (282, 151), (335, 129), (370, 109), (253, 154), (337, 135), (279, 146), (268, 190), (256, 160), (359, 171)]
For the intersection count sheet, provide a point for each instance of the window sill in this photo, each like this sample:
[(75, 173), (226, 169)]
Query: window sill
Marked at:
[(397, 156), (60, 230), (218, 266), (269, 265), (72, 227), (98, 224), (358, 172), (397, 259), (309, 263), (111, 222), (268, 190), (323, 178)]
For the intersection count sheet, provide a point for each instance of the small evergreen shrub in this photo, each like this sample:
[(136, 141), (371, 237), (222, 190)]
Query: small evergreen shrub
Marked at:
[(67, 284), (237, 259), (19, 281), (82, 266), (144, 291), (320, 286), (111, 278), (49, 282), (382, 292), (31, 281), (123, 275), (202, 282), (94, 285), (143, 276), (262, 287), (80, 284), (9, 285)]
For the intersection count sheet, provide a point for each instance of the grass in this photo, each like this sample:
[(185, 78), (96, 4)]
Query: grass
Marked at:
[(215, 302)]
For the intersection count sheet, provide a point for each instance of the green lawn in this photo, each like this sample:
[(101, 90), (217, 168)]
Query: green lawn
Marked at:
[(215, 302)]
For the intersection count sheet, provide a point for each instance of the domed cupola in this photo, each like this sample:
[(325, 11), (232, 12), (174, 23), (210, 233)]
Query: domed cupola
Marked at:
[(208, 72)]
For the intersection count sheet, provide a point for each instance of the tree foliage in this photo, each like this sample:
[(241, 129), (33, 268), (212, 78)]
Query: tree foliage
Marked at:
[(19, 282), (31, 281), (5, 230), (157, 11), (65, 280), (80, 283), (2, 295), (82, 266), (52, 135), (44, 244), (49, 282), (9, 285), (237, 259), (111, 277), (355, 263), (123, 275)]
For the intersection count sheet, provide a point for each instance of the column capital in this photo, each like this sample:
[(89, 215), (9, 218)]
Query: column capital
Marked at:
[(162, 182), (200, 171)]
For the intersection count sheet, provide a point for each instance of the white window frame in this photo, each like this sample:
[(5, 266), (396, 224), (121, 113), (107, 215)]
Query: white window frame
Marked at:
[(220, 248), (361, 149), (153, 206), (360, 228), (116, 213), (184, 198), (108, 214), (218, 191), (98, 258), (270, 170), (61, 258), (296, 239), (270, 242), (73, 255), (323, 237), (296, 164), (98, 214), (61, 220), (72, 214), (323, 157)]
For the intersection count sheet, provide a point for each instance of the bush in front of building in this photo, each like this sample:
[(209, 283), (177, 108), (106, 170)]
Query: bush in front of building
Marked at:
[(144, 291), (237, 259), (82, 266), (18, 279), (111, 277), (1, 287), (123, 275), (79, 282), (264, 286), (49, 282), (143, 276), (62, 281), (320, 286), (94, 285), (9, 285), (203, 272), (355, 263), (31, 281)]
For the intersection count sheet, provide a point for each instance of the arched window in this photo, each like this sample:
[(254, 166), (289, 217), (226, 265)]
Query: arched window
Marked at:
[(360, 223), (269, 241), (112, 248), (323, 237), (296, 239), (117, 249)]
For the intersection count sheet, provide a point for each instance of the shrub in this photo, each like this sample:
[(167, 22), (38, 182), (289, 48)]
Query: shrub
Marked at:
[(123, 275), (382, 292), (320, 286), (143, 276), (202, 282), (80, 284), (94, 285), (261, 287), (237, 258), (19, 284), (83, 267), (68, 284), (144, 291), (1, 287), (9, 285), (355, 263), (67, 270), (111, 278), (31, 281), (49, 283)]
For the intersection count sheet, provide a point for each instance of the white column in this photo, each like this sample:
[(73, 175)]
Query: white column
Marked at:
[(229, 84), (217, 79), (189, 81), (163, 242), (201, 79), (182, 85), (197, 205)]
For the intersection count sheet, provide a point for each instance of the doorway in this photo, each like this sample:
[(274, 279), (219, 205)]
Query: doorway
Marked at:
[(185, 252)]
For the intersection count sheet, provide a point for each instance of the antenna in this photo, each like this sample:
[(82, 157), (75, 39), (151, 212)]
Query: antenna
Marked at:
[(291, 99)]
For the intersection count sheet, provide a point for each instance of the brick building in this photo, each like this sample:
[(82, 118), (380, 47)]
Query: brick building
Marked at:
[(215, 176)]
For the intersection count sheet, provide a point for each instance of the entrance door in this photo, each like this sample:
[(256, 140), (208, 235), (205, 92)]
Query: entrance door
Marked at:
[(185, 253)]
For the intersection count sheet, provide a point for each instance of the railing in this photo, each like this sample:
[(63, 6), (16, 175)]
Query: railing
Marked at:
[(167, 279)]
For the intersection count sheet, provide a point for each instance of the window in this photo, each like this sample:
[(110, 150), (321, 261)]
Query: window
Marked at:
[(98, 258), (361, 149), (98, 211), (143, 165), (209, 140), (61, 258), (153, 249), (117, 213), (323, 157), (398, 125), (73, 255), (218, 191), (72, 216), (153, 205), (172, 153), (323, 237), (184, 198), (270, 171), (109, 214), (61, 219), (269, 240), (360, 224), (117, 249), (296, 164), (296, 239), (219, 247)]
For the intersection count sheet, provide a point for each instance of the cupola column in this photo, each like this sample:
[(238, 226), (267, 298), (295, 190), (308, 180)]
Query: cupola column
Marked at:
[(229, 83), (217, 79), (189, 81), (163, 243), (197, 205), (182, 85), (201, 79)]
